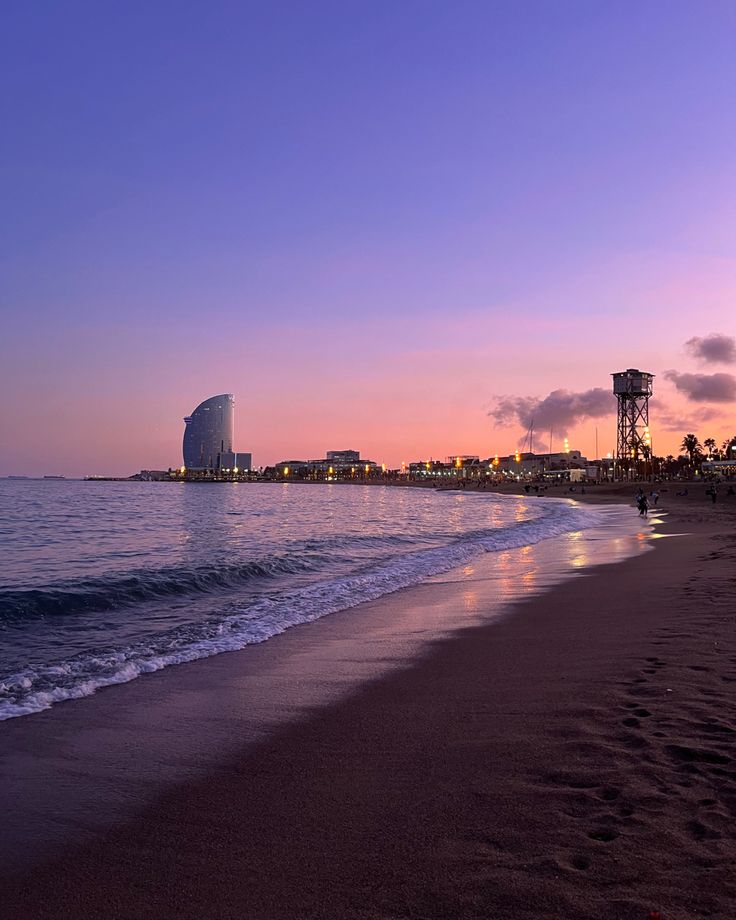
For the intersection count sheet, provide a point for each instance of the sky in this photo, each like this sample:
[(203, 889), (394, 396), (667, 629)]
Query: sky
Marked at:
[(400, 227)]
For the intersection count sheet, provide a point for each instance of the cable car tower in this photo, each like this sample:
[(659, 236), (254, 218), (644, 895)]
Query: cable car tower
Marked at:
[(632, 389)]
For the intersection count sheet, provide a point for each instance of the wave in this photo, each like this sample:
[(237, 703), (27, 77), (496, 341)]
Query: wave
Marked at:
[(35, 689), (109, 593)]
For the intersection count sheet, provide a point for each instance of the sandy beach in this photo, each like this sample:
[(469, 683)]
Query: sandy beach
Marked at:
[(574, 759)]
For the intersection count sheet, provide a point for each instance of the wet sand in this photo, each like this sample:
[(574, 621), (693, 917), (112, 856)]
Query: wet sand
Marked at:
[(572, 760)]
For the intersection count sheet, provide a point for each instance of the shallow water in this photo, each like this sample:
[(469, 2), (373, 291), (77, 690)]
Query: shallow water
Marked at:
[(102, 582)]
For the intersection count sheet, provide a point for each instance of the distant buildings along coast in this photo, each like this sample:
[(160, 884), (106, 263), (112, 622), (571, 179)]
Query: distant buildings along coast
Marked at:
[(336, 464)]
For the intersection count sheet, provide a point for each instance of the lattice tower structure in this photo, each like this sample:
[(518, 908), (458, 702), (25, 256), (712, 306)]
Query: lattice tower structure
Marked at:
[(632, 389)]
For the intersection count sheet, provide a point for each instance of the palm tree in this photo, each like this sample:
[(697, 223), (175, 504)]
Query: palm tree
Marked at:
[(691, 445), (710, 445)]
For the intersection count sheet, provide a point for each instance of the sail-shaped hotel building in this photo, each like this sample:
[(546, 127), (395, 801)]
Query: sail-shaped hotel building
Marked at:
[(208, 433)]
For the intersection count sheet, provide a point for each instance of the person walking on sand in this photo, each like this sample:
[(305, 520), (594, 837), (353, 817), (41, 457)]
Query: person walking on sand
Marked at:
[(643, 506)]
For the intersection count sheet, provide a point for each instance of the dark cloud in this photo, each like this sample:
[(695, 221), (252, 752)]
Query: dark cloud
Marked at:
[(705, 387), (560, 410), (669, 421), (713, 349)]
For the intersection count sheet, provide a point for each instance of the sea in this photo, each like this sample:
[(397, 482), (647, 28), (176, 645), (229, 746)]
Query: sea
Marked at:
[(102, 582)]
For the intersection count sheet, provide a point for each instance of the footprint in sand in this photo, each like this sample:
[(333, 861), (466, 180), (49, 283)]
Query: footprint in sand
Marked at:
[(605, 835), (700, 831), (694, 755), (717, 728)]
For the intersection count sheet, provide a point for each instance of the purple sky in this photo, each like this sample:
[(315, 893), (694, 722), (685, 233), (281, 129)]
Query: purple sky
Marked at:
[(371, 222)]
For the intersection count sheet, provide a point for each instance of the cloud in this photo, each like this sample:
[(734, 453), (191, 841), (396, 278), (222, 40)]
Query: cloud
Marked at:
[(669, 421), (560, 410), (704, 387), (713, 349)]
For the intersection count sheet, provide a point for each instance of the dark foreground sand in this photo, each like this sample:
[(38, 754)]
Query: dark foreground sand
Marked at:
[(575, 760)]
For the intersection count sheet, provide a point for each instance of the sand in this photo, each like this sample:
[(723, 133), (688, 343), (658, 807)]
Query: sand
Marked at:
[(572, 760)]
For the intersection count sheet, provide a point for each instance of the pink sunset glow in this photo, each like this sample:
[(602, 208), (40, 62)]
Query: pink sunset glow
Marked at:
[(382, 264)]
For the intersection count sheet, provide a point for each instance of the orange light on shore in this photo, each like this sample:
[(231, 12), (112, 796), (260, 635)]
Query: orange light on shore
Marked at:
[(458, 462), (182, 470), (517, 457), (286, 471)]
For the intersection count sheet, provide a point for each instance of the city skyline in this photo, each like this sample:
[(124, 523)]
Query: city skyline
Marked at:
[(401, 257)]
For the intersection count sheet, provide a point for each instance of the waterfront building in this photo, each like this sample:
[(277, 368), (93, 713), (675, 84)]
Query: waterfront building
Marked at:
[(335, 465), (232, 460), (344, 456), (514, 466), (208, 434), (529, 465), (726, 469)]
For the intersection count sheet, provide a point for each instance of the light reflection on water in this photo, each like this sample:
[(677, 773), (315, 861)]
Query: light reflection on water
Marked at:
[(500, 578), (140, 576)]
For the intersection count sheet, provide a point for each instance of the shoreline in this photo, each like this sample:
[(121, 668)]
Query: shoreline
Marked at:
[(420, 794)]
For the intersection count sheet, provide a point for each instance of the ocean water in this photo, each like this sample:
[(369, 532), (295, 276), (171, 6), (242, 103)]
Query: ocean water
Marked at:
[(101, 582)]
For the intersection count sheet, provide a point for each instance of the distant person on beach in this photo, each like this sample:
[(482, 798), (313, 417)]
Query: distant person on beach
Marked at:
[(643, 505), (654, 495), (713, 492)]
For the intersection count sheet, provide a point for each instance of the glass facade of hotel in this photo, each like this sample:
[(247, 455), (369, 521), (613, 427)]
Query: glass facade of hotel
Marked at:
[(209, 433)]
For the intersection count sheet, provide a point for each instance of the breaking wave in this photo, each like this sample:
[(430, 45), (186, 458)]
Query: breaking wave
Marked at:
[(238, 624)]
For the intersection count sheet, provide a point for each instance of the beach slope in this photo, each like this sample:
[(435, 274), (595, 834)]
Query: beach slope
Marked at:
[(574, 760)]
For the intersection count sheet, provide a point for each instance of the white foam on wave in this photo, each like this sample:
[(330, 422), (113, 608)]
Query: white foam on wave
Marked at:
[(35, 690)]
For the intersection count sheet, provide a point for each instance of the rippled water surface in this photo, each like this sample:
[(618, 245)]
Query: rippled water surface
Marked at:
[(101, 581)]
